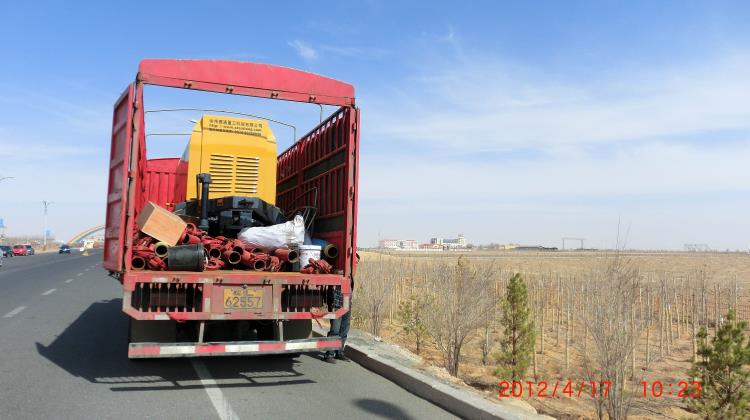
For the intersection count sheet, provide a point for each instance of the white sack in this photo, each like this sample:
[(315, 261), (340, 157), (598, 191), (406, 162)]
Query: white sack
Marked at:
[(276, 236)]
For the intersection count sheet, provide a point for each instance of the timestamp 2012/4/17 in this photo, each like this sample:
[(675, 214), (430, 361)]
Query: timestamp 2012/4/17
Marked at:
[(552, 389), (681, 389)]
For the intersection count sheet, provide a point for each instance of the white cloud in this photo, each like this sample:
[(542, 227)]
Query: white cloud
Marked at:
[(309, 53), (304, 50), (646, 169), (356, 52), (489, 104)]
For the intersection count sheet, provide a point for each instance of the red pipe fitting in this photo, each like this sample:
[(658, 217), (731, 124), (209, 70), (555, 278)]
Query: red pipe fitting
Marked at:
[(156, 263), (317, 267), (273, 263), (190, 239), (255, 261), (285, 254), (214, 250), (215, 264), (138, 263), (232, 257)]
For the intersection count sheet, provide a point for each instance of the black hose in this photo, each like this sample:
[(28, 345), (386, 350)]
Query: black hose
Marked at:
[(186, 258)]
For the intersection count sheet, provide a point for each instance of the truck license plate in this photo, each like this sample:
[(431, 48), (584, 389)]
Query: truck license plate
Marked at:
[(243, 298)]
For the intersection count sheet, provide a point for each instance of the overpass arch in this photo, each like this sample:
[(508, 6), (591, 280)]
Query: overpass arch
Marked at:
[(85, 233)]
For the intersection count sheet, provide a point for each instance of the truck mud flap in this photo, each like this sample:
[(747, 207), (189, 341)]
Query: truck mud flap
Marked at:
[(233, 348)]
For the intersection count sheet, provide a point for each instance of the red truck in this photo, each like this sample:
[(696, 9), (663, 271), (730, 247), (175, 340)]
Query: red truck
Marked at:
[(177, 314)]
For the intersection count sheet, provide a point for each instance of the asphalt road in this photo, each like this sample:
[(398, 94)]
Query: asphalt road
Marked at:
[(63, 354)]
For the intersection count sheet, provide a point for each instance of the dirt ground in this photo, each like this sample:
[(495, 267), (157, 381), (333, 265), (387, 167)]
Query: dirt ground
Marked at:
[(723, 268)]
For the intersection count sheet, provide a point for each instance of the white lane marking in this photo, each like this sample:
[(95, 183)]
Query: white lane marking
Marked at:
[(79, 274), (14, 312), (48, 292), (68, 280), (219, 401), (87, 269)]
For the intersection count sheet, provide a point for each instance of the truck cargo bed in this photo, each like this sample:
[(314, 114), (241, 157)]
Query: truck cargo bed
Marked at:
[(319, 170)]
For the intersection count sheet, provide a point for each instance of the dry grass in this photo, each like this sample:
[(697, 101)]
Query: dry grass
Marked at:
[(673, 289)]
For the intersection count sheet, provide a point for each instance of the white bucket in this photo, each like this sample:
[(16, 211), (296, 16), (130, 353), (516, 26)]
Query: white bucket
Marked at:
[(308, 251)]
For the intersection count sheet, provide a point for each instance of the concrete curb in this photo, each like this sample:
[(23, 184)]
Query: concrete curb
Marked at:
[(457, 400)]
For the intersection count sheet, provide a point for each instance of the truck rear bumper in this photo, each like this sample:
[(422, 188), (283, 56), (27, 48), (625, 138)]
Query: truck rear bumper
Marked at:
[(202, 296), (234, 348)]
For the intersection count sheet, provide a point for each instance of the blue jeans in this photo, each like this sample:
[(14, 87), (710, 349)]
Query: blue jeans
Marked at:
[(340, 328)]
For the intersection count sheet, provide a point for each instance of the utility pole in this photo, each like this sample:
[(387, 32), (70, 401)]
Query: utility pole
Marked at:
[(46, 205), (2, 225)]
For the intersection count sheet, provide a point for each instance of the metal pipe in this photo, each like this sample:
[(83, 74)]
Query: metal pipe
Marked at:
[(138, 263), (231, 257), (288, 255), (214, 251), (255, 261), (161, 249), (259, 265), (189, 239), (330, 251)]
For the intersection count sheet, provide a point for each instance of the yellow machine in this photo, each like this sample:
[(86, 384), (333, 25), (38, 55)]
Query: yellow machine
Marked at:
[(239, 153)]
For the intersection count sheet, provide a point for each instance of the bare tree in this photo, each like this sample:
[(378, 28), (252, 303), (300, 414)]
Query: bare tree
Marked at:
[(461, 304), (376, 280), (614, 333)]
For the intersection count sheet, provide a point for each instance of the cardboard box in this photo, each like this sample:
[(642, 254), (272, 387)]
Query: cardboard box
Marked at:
[(161, 224)]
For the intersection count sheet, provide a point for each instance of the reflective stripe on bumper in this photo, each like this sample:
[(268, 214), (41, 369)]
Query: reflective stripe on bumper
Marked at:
[(236, 348)]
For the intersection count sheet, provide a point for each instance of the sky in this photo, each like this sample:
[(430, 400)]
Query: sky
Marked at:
[(509, 122)]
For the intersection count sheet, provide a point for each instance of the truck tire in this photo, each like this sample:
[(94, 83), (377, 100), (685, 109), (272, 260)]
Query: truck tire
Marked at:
[(152, 331), (297, 329)]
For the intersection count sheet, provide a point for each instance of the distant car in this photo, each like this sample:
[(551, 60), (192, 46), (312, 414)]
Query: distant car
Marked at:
[(29, 250), (64, 249), (19, 250), (6, 251)]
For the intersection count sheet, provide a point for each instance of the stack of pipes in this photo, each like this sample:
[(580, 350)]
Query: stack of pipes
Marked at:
[(218, 253)]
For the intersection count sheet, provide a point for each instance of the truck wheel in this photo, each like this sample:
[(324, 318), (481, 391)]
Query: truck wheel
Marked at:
[(152, 331), (297, 329)]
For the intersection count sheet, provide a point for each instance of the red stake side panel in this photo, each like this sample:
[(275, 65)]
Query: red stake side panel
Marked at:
[(319, 171), (159, 183), (119, 167), (250, 79)]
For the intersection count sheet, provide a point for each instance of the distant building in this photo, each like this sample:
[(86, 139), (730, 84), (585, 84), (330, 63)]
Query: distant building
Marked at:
[(534, 248), (408, 244), (459, 242), (449, 243)]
